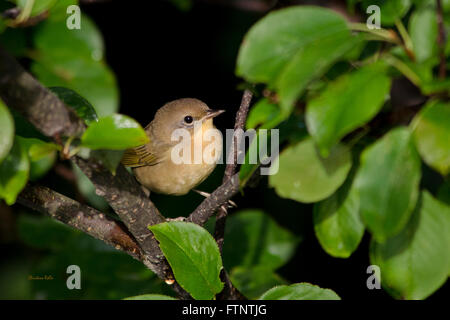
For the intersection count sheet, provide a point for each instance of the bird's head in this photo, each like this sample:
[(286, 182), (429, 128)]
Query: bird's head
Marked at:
[(182, 114)]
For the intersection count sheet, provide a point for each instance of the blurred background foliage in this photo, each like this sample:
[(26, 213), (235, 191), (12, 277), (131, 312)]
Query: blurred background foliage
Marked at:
[(133, 57)]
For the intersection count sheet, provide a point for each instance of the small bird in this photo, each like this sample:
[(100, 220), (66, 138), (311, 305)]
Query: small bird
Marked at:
[(152, 164)]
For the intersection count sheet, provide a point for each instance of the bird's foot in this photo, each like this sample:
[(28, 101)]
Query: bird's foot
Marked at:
[(146, 191), (182, 219), (230, 203)]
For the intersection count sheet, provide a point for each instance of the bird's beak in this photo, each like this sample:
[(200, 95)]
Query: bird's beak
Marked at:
[(213, 113)]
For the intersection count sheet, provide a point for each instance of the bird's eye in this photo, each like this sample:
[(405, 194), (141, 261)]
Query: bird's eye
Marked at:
[(188, 119)]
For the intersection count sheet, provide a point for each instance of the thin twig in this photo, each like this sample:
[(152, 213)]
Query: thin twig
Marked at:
[(230, 169), (20, 91), (11, 13), (441, 40), (214, 201), (229, 291), (218, 199)]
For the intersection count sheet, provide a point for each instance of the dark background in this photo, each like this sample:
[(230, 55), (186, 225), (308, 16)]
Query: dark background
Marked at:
[(160, 53)]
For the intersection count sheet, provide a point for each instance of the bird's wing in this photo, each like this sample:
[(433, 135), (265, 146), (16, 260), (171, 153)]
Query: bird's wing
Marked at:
[(139, 156)]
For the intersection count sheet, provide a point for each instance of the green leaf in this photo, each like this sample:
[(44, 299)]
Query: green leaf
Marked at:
[(14, 171), (444, 192), (337, 223), (41, 167), (42, 232), (261, 241), (252, 282), (388, 183), (6, 131), (110, 159), (193, 255), (151, 297), (273, 41), (91, 79), (262, 112), (446, 6), (42, 149), (305, 176), (435, 86), (423, 29), (432, 135), (299, 291), (348, 103), (54, 38), (82, 107), (292, 129), (289, 48), (416, 262), (249, 167), (114, 132), (391, 10), (87, 189), (424, 3), (310, 64), (39, 6), (74, 59), (41, 154), (59, 11)]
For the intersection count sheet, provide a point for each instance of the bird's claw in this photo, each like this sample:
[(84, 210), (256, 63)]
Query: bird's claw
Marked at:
[(230, 203), (182, 219)]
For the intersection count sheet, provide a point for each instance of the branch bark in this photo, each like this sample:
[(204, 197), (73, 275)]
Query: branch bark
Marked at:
[(53, 118), (230, 169), (81, 217), (125, 196), (211, 204), (19, 90)]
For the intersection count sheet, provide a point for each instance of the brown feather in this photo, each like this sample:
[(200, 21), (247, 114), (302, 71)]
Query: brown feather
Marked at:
[(138, 157)]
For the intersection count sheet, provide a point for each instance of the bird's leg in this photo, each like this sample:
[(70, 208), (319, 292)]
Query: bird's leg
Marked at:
[(231, 203), (176, 219), (146, 191)]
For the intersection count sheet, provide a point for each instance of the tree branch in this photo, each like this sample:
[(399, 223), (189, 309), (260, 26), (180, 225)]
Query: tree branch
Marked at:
[(239, 124), (217, 200), (81, 217), (19, 90), (127, 199), (219, 197), (54, 119), (230, 184), (230, 169)]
